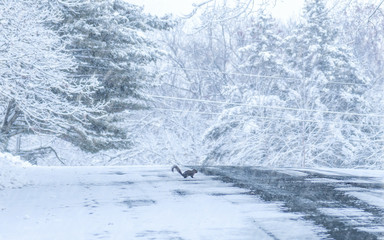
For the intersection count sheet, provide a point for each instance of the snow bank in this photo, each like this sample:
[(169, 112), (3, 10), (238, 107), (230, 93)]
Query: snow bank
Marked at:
[(12, 171)]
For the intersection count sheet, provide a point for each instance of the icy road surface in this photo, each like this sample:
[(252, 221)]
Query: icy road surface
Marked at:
[(142, 203), (349, 203)]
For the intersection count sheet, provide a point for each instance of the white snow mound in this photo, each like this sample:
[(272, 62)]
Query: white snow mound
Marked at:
[(12, 171)]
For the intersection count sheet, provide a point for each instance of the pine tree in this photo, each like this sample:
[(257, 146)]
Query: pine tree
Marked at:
[(253, 127), (318, 53), (37, 93), (262, 56), (109, 41), (329, 69)]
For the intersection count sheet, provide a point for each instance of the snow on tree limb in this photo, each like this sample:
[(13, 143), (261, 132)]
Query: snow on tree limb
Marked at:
[(35, 83)]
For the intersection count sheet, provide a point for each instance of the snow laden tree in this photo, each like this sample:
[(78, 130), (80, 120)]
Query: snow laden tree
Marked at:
[(109, 40), (330, 93), (37, 93), (262, 57), (197, 66), (365, 33), (251, 129)]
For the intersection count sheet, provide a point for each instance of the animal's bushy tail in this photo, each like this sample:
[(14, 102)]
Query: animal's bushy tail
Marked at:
[(177, 169)]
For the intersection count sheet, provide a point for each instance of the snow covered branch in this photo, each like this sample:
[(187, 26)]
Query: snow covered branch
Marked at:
[(35, 82)]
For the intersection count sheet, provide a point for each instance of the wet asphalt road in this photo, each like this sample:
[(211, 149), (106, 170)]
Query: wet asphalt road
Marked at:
[(309, 194)]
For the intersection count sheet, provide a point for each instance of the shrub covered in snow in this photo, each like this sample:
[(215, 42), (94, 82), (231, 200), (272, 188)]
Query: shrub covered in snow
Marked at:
[(12, 171)]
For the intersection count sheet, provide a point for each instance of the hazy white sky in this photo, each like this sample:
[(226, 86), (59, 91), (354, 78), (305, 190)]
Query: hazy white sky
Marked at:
[(161, 7), (284, 9)]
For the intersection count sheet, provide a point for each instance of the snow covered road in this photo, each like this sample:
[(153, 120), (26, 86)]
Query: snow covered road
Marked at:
[(140, 203), (349, 203)]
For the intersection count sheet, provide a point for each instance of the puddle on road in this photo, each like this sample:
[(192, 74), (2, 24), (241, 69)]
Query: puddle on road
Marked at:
[(191, 181), (169, 235), (310, 194), (180, 192), (119, 183), (138, 203), (117, 173), (106, 184)]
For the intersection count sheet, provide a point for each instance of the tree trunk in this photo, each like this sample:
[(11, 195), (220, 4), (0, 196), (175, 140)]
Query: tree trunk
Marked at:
[(10, 117)]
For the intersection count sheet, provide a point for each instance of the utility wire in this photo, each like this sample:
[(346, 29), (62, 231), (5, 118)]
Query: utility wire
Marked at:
[(260, 76), (235, 73), (268, 118), (377, 8), (263, 106), (279, 119)]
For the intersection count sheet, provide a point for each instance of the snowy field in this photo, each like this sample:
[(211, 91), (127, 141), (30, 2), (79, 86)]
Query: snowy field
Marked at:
[(140, 203)]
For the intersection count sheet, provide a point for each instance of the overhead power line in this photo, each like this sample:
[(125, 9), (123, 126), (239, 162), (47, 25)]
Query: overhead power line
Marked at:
[(262, 76), (230, 73), (263, 106), (377, 8), (234, 73), (269, 118)]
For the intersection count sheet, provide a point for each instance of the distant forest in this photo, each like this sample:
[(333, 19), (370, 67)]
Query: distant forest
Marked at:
[(229, 84)]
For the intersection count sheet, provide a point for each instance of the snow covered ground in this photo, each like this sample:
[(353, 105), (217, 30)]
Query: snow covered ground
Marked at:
[(140, 203), (12, 171)]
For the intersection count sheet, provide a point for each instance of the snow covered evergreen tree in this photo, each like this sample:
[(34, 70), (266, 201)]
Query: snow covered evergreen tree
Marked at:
[(37, 94), (250, 131), (331, 71), (262, 56), (109, 41), (315, 114), (195, 68)]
